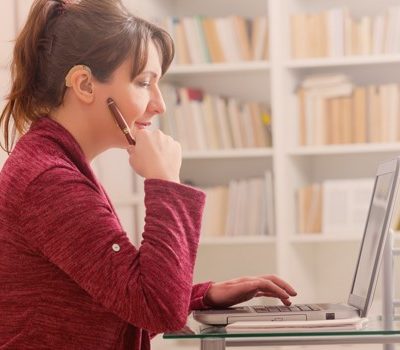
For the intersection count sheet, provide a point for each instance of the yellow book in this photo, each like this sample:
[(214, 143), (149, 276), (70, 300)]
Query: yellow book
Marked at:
[(359, 115), (182, 50), (213, 42), (302, 117), (239, 25), (346, 119)]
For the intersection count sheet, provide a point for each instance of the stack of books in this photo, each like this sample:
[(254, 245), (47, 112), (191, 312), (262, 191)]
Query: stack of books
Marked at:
[(336, 33), (337, 207), (200, 121), (243, 208), (332, 110), (201, 39)]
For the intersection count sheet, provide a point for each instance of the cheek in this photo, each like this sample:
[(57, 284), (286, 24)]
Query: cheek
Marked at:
[(136, 104)]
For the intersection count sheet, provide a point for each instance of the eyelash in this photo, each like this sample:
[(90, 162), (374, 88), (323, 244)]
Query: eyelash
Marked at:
[(144, 84)]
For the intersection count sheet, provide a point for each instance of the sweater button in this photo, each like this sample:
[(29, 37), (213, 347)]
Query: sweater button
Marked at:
[(116, 247)]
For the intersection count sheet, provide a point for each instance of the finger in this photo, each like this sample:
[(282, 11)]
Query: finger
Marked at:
[(281, 283), (269, 286), (286, 302)]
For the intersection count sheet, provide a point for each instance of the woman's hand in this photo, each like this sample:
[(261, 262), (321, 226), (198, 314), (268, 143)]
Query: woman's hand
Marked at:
[(228, 293), (155, 156)]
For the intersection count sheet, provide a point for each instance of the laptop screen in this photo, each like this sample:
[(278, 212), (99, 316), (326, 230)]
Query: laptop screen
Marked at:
[(372, 242), (373, 231)]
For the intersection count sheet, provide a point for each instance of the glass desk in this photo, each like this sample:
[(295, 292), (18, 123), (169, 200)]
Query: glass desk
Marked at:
[(217, 338)]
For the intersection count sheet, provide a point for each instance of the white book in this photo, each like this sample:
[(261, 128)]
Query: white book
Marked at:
[(207, 212), (365, 36), (393, 112), (227, 38), (269, 186), (188, 125), (336, 32), (241, 209), (384, 93), (254, 209), (247, 125), (193, 42), (345, 206), (235, 124), (223, 124), (315, 111), (181, 134), (199, 127), (232, 200), (324, 80), (378, 35), (210, 123), (167, 120), (391, 30), (260, 37)]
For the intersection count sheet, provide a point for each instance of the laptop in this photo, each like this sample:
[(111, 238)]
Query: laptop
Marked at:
[(365, 276)]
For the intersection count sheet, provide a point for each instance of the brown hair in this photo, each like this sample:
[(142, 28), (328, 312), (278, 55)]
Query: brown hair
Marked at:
[(60, 34)]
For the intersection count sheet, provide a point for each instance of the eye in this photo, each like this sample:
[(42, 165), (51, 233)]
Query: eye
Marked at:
[(144, 84)]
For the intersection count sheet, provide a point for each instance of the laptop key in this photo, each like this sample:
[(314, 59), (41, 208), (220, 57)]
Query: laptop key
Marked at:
[(304, 308), (314, 308), (273, 309), (284, 309), (294, 308)]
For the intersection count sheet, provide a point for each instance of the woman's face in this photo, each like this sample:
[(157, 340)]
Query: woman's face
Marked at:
[(138, 100)]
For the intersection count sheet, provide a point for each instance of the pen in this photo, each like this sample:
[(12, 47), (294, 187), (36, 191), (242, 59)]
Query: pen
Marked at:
[(120, 120)]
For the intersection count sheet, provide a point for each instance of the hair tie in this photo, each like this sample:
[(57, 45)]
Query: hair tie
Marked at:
[(62, 6)]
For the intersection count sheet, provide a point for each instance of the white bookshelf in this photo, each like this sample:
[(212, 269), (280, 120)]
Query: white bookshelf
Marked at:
[(237, 240), (320, 267), (367, 60), (350, 150), (251, 66), (232, 153)]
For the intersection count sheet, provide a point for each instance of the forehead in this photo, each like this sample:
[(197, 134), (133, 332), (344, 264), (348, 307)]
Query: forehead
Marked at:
[(153, 59)]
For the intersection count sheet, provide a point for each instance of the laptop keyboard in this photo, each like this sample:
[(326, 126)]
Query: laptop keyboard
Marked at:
[(293, 308)]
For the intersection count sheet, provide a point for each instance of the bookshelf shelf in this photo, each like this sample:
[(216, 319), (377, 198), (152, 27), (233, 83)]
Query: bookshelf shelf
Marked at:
[(350, 149), (237, 240), (249, 66), (232, 153), (320, 238), (344, 61)]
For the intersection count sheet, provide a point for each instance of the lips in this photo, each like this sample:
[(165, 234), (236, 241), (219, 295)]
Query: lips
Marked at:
[(142, 125)]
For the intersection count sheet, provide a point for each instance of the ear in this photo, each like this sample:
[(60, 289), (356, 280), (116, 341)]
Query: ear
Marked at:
[(80, 80)]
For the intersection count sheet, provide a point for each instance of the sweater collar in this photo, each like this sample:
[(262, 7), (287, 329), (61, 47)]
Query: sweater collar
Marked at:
[(59, 135)]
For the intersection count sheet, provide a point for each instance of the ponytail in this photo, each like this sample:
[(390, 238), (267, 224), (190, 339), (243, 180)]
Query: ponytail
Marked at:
[(60, 34), (27, 65)]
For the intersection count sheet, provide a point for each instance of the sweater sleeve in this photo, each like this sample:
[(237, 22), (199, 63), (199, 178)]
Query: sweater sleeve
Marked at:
[(198, 293), (71, 223)]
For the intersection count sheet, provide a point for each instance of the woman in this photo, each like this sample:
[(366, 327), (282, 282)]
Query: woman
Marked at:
[(69, 276)]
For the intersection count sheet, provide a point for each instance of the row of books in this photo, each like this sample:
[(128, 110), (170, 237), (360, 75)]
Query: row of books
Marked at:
[(243, 208), (201, 39), (336, 33), (336, 207), (332, 110), (200, 121)]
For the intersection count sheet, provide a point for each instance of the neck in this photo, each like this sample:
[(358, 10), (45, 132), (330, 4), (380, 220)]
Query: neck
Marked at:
[(81, 128)]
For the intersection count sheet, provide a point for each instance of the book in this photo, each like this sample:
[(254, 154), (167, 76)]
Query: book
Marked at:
[(345, 206), (355, 323)]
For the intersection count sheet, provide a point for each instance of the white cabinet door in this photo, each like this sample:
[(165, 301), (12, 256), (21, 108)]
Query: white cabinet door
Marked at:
[(7, 32)]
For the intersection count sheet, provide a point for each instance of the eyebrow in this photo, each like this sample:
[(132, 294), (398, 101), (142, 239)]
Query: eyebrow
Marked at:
[(154, 74)]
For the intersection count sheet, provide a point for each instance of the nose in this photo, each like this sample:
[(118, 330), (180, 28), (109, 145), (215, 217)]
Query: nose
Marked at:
[(157, 104)]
